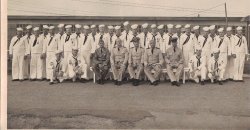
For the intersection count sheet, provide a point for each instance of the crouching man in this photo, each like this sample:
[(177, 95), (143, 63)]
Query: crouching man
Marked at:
[(153, 60), (216, 67), (118, 59), (174, 62), (135, 61), (57, 67), (101, 62), (77, 66), (197, 67)]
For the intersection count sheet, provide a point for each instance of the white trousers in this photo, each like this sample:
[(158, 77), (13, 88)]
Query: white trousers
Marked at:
[(36, 66), (49, 57), (239, 62), (199, 73), (18, 66)]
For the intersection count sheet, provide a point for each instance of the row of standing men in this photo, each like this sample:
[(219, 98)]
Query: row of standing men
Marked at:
[(32, 53)]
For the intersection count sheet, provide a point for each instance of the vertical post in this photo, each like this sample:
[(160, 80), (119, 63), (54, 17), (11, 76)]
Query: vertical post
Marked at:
[(248, 35), (226, 14)]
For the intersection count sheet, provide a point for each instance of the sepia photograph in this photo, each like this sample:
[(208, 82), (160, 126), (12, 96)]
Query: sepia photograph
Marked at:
[(127, 64)]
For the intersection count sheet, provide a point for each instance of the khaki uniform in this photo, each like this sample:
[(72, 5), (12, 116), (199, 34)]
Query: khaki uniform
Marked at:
[(153, 60), (240, 49), (167, 39), (58, 69), (135, 62), (17, 48), (216, 69), (119, 59), (174, 57), (101, 63), (197, 67), (77, 67)]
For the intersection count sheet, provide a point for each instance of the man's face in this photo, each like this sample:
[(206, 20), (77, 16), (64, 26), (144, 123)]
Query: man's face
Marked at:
[(205, 33), (170, 30), (229, 33), (101, 29), (196, 32), (85, 31), (28, 31), (51, 31), (145, 30), (152, 43), (37, 33), (154, 31), (188, 30), (221, 34), (216, 55), (111, 31), (19, 33), (126, 28), (61, 30), (239, 32), (68, 31), (212, 31), (74, 52), (93, 30), (45, 31), (161, 31), (101, 43), (136, 44), (58, 56), (198, 52), (118, 32), (118, 42), (178, 30), (134, 31), (174, 44), (78, 30)]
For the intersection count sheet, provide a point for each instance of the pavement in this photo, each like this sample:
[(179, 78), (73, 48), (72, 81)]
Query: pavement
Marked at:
[(86, 105)]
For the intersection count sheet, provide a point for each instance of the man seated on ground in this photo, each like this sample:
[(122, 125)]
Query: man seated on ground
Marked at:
[(77, 66), (153, 60), (197, 66), (216, 67), (118, 59), (57, 67), (174, 62), (135, 61), (101, 62)]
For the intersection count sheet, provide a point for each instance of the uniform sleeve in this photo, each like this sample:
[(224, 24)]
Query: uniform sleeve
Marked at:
[(11, 46), (93, 45), (232, 45), (45, 45), (107, 57), (126, 57), (130, 57), (145, 58), (229, 50), (181, 58), (209, 67), (246, 47), (142, 56), (112, 58), (167, 58)]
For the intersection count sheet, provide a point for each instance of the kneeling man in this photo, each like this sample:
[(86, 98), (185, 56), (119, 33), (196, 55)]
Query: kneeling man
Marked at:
[(216, 67), (174, 62), (57, 67), (101, 62), (153, 60), (197, 66), (77, 66), (135, 61)]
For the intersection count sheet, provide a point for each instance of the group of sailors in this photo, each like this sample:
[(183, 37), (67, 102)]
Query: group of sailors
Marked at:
[(215, 54)]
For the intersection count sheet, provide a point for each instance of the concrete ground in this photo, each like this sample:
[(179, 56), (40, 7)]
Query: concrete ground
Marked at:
[(77, 105)]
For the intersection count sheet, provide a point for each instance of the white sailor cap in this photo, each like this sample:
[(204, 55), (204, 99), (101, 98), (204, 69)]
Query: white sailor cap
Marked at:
[(101, 25), (239, 28), (216, 50), (196, 27), (85, 27), (160, 26), (45, 27), (110, 27), (78, 26), (51, 27), (170, 25), (134, 26), (178, 26), (60, 25), (93, 26), (187, 26), (19, 29), (29, 27), (153, 26), (68, 26), (229, 28), (58, 51), (220, 30), (205, 29), (212, 27), (117, 27), (75, 48), (125, 23), (35, 28), (145, 25)]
